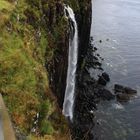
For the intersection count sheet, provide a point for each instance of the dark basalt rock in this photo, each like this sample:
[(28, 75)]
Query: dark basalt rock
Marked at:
[(88, 80), (103, 79), (84, 111), (123, 97), (106, 76), (105, 94), (100, 68), (118, 88), (94, 48), (123, 93), (130, 90), (83, 132), (97, 63), (100, 41), (95, 58), (122, 89)]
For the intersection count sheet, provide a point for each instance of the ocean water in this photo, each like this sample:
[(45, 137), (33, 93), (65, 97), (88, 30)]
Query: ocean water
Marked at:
[(117, 24)]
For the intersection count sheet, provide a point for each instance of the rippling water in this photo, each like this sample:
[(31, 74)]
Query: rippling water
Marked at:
[(117, 24)]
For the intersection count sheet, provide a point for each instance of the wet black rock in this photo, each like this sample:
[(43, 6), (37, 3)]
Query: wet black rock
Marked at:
[(123, 89), (105, 94), (82, 131), (102, 58), (123, 93), (123, 97), (106, 76), (118, 88), (97, 63), (100, 41), (103, 79), (90, 82), (98, 54), (94, 48), (100, 68), (130, 90), (95, 58)]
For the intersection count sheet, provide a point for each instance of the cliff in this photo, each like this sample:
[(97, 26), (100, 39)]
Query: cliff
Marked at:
[(83, 13), (33, 63)]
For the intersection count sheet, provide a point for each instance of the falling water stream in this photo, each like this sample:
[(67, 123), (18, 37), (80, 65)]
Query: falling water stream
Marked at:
[(72, 64)]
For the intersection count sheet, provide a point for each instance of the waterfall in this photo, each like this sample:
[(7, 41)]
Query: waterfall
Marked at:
[(72, 64)]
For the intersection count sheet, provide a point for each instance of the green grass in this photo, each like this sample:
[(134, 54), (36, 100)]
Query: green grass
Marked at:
[(46, 127), (5, 9), (24, 81), (5, 5), (18, 82)]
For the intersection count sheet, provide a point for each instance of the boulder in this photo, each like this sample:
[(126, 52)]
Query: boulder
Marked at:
[(94, 48), (100, 68), (105, 94), (97, 63), (118, 88), (122, 89), (106, 76), (130, 90), (100, 41), (123, 97), (95, 58), (103, 79)]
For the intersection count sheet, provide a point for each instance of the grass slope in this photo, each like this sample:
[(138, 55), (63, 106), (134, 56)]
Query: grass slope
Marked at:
[(23, 77)]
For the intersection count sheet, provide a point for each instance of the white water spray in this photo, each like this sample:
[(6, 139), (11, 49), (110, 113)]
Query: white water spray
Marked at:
[(72, 64)]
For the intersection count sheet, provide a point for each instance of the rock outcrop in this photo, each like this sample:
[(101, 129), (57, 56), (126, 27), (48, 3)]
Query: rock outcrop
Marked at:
[(57, 67)]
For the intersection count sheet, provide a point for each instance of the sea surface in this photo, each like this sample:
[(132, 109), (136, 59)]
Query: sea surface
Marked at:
[(116, 33)]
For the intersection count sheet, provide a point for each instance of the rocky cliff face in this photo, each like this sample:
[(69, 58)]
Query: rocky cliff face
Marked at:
[(58, 65), (84, 23), (59, 35)]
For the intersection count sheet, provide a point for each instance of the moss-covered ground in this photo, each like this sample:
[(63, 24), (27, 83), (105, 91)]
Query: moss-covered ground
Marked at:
[(24, 49)]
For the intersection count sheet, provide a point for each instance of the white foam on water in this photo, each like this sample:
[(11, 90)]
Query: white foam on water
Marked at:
[(118, 106)]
